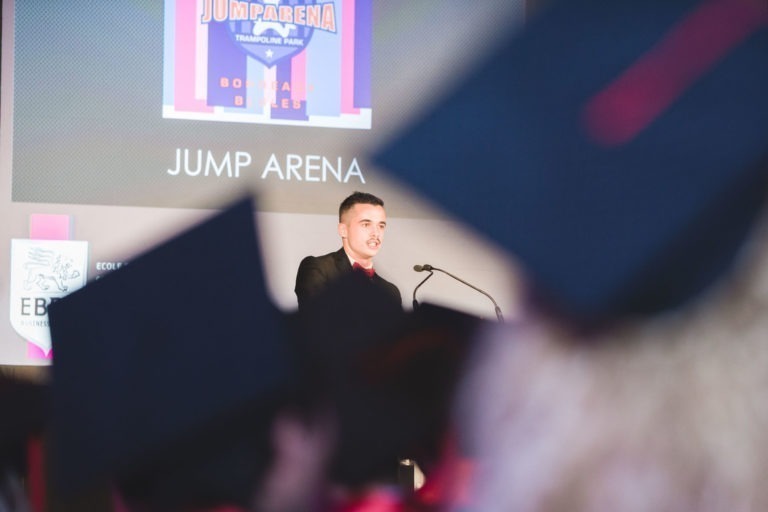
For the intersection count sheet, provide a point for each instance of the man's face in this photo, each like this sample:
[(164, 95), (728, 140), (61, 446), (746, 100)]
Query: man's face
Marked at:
[(362, 231)]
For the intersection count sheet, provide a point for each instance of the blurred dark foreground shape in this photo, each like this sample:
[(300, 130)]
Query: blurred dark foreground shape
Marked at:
[(169, 372), (617, 149), (24, 413)]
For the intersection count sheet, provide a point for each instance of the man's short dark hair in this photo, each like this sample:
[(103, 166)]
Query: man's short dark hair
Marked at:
[(358, 198)]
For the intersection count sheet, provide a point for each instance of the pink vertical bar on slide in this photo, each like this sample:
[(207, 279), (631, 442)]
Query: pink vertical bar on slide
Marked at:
[(49, 227), (299, 77), (348, 57), (184, 55), (46, 227)]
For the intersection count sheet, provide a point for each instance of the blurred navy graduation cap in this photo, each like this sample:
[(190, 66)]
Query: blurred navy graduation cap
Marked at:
[(164, 369), (616, 148)]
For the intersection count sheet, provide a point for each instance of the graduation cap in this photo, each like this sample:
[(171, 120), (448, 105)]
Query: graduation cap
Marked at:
[(166, 370), (389, 375), (616, 148)]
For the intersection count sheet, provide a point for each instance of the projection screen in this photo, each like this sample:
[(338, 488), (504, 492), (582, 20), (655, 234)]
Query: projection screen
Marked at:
[(123, 122)]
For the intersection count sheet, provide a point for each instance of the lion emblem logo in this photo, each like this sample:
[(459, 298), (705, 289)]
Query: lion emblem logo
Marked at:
[(45, 269)]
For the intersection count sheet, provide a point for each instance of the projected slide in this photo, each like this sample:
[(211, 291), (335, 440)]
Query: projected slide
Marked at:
[(160, 104), (122, 122), (298, 63)]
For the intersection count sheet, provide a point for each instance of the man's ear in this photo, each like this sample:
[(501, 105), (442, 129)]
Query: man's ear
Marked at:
[(342, 230)]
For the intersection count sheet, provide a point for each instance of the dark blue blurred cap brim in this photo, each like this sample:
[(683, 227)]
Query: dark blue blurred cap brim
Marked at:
[(617, 149)]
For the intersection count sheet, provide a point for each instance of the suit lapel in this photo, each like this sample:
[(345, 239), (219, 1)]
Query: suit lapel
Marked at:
[(341, 261)]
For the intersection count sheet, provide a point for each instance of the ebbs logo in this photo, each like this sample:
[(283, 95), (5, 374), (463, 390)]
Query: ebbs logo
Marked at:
[(43, 271)]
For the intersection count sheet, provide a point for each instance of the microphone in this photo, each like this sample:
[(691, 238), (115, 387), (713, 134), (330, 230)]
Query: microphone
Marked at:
[(421, 268), (430, 269)]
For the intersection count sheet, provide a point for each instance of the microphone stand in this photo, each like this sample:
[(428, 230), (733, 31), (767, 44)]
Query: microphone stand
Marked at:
[(415, 302), (496, 306)]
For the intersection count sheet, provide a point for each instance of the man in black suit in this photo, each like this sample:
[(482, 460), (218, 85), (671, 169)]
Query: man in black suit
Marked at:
[(362, 222)]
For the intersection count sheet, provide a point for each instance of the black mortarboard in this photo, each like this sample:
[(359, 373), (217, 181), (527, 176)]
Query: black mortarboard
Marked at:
[(163, 369), (616, 148)]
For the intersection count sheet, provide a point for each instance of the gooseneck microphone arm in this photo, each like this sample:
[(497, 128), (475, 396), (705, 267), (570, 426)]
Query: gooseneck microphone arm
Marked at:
[(420, 268), (430, 268)]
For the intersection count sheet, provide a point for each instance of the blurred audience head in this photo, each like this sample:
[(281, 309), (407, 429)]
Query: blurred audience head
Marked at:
[(663, 413)]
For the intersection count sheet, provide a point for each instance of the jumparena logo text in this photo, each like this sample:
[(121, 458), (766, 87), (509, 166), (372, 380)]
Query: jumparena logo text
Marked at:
[(319, 16), (293, 167)]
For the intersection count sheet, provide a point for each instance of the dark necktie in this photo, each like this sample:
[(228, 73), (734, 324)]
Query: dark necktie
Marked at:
[(359, 268)]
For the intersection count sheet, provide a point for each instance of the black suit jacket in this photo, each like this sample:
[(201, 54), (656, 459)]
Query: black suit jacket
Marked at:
[(316, 272)]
